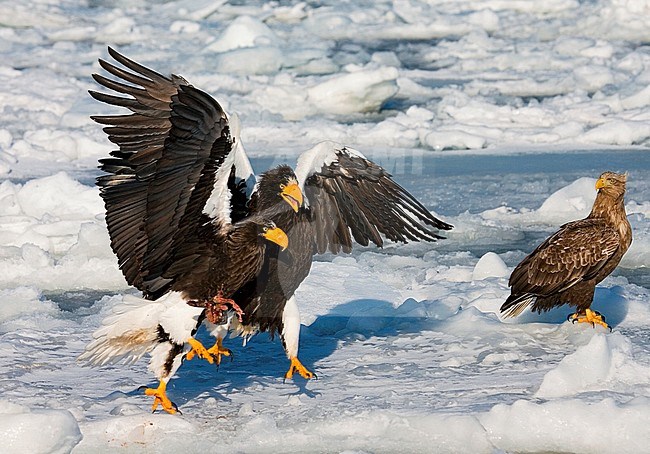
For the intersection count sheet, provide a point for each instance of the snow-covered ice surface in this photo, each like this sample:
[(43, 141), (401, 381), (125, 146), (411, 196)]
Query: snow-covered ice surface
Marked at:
[(497, 115)]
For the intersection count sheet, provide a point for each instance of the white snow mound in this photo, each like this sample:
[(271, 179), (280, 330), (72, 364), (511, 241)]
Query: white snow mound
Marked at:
[(490, 265), (36, 431)]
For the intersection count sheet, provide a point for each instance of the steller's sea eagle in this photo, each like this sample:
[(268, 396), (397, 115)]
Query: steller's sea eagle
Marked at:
[(566, 267), (346, 198), (172, 241), (334, 197)]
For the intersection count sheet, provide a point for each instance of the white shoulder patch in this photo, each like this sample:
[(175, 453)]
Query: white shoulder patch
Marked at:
[(322, 154), (243, 169), (218, 204)]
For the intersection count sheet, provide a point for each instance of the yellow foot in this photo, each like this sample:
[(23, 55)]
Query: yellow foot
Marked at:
[(200, 350), (296, 366), (211, 354), (593, 317), (160, 398), (218, 349)]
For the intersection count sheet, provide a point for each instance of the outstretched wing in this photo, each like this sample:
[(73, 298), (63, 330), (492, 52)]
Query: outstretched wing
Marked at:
[(170, 173), (350, 197), (576, 252)]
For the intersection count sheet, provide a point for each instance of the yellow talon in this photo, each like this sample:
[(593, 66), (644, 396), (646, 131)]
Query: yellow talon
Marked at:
[(296, 366), (198, 349), (589, 317), (160, 398), (218, 349)]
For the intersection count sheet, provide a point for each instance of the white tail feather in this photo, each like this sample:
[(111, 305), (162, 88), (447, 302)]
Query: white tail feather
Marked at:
[(519, 307), (132, 330), (125, 335)]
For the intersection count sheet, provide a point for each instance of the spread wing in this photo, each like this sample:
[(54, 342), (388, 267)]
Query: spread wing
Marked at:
[(170, 174), (350, 197), (576, 252)]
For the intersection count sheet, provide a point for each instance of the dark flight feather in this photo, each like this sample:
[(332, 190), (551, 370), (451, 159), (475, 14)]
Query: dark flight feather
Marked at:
[(171, 148)]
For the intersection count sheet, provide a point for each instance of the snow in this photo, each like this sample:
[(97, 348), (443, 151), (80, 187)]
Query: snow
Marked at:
[(56, 431), (606, 362), (575, 199), (244, 31), (498, 116), (360, 91), (531, 427), (490, 265)]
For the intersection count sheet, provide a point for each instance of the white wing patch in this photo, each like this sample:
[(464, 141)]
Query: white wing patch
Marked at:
[(218, 204), (243, 169), (323, 154)]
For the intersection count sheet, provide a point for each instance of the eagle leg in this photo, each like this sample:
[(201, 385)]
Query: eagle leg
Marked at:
[(589, 316), (211, 355), (218, 349), (296, 366), (198, 350), (160, 398)]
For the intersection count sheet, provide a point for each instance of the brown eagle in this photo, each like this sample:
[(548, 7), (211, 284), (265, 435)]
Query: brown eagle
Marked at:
[(566, 267)]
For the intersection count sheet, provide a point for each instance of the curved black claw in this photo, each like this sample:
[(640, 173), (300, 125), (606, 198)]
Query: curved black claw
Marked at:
[(314, 377), (604, 319), (569, 318), (217, 357), (176, 409)]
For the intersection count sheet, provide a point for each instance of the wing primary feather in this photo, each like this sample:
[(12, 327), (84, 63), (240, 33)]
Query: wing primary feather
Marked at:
[(137, 67), (126, 75), (170, 149), (362, 197)]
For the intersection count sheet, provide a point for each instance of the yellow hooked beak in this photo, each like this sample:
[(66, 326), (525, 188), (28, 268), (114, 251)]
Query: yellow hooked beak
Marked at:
[(277, 236), (292, 195), (601, 183)]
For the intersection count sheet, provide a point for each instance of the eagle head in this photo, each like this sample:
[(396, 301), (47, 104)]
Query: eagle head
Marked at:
[(611, 182), (272, 233), (280, 181)]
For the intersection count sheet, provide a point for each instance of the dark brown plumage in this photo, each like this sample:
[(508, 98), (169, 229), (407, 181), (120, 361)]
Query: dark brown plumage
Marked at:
[(180, 148), (158, 183), (348, 199), (167, 232), (566, 267)]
